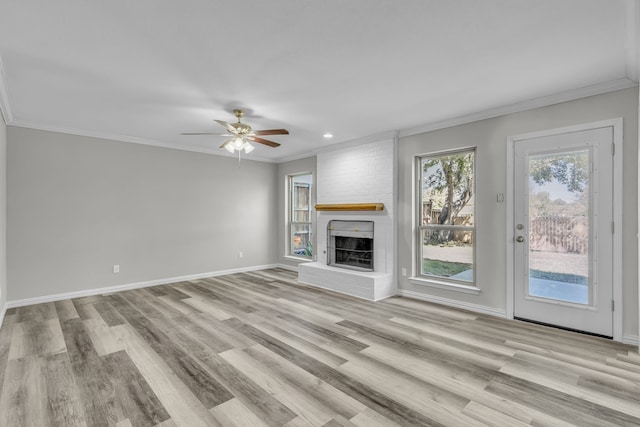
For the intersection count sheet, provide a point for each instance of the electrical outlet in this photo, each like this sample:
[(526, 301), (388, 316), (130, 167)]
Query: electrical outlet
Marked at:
[(240, 254), (116, 268), (404, 272)]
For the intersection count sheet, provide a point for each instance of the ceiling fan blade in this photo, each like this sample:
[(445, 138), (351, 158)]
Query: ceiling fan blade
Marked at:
[(263, 141), (271, 132), (230, 128), (205, 133)]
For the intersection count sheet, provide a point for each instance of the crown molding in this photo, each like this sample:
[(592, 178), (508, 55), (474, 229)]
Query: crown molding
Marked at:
[(126, 138), (632, 31), (5, 108), (610, 86), (571, 95)]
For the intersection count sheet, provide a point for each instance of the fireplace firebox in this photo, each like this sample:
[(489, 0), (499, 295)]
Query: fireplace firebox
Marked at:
[(350, 244)]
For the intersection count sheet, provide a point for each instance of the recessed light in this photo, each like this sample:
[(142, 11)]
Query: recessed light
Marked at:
[(328, 135)]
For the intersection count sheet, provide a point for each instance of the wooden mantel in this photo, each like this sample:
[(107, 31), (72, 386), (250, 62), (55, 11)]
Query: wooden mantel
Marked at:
[(350, 206)]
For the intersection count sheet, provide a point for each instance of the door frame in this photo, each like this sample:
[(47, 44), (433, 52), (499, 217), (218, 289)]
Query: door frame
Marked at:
[(618, 139)]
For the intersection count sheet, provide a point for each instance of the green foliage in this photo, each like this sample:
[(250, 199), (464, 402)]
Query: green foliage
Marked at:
[(443, 268), (456, 169), (448, 182), (541, 206), (308, 251), (571, 169)]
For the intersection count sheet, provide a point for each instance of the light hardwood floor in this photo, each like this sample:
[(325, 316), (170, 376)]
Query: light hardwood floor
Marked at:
[(258, 349)]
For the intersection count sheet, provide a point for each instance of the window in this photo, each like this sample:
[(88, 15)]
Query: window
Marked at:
[(300, 209), (446, 231)]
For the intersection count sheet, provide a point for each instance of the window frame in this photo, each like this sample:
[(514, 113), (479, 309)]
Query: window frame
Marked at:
[(291, 222), (442, 282)]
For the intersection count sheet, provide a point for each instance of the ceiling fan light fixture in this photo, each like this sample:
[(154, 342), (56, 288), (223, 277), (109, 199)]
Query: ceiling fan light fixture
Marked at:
[(247, 148), (238, 142), (229, 147)]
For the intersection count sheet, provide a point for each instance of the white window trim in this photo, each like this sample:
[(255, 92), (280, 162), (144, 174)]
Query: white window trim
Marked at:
[(297, 258), (448, 285), (439, 282), (288, 254)]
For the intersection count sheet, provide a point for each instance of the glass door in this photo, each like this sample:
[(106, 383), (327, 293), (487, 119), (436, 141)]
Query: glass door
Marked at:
[(563, 239)]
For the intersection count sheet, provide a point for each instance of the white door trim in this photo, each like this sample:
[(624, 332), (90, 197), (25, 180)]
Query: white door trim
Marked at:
[(618, 139)]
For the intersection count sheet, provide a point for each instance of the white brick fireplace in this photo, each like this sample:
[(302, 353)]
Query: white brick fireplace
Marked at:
[(360, 174)]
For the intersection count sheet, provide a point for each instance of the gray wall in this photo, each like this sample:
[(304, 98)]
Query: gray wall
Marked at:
[(490, 136), (3, 215), (285, 169), (79, 205)]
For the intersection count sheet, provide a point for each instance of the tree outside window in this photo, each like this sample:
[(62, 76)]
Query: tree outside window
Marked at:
[(446, 230), (300, 215)]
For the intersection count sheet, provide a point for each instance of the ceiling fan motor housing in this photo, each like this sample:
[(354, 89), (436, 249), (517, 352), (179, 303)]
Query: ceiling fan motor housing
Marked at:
[(241, 128)]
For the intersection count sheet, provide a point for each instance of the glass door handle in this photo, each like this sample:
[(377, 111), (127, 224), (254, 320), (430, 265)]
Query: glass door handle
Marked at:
[(519, 239)]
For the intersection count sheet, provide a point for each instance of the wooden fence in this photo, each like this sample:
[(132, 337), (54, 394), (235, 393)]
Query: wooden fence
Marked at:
[(559, 234)]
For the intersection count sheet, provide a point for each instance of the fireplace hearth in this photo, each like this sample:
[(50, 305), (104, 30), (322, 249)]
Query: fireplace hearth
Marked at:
[(350, 245)]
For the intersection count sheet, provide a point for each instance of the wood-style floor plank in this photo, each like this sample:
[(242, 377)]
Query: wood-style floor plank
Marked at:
[(21, 383), (182, 405), (5, 344), (260, 349), (319, 391), (233, 413), (280, 388), (36, 338), (66, 310), (101, 404), (350, 386), (108, 314), (36, 313), (61, 398), (191, 373), (140, 404)]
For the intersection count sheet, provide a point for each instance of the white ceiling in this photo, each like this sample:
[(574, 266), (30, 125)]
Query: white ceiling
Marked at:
[(147, 70)]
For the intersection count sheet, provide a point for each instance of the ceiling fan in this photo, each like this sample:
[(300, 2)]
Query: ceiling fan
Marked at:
[(241, 133)]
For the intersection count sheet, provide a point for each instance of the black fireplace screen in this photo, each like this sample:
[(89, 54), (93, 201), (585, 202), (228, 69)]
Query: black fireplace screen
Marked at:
[(354, 251), (350, 245)]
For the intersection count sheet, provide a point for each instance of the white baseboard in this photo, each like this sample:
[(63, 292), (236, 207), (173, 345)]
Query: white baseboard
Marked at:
[(129, 286), (631, 340), (454, 303)]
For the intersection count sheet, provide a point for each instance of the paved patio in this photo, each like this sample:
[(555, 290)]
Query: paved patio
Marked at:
[(553, 262)]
